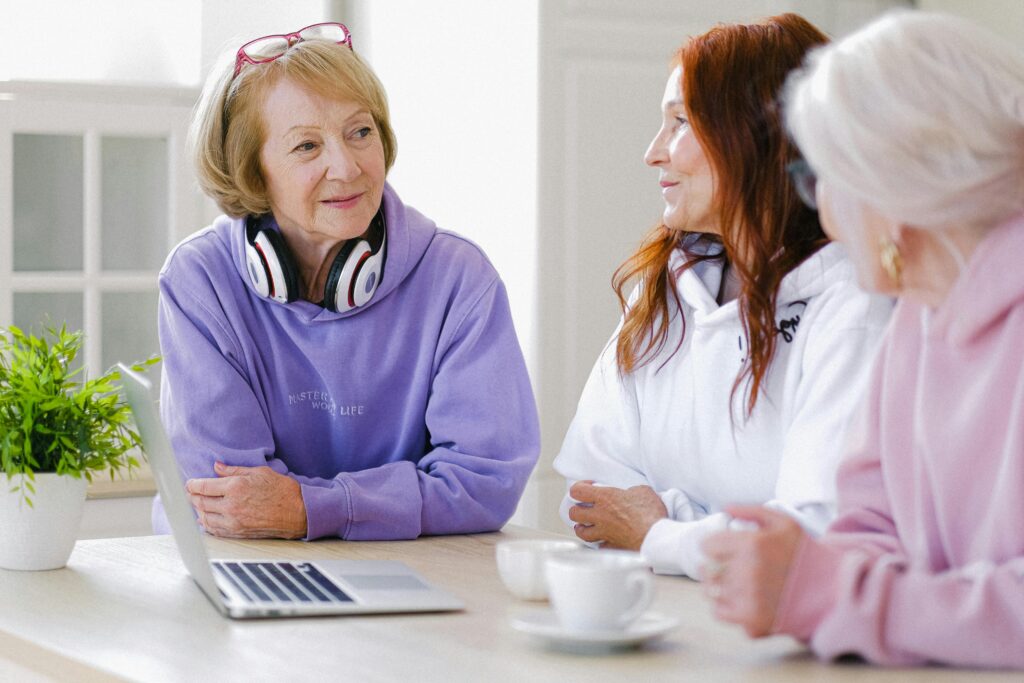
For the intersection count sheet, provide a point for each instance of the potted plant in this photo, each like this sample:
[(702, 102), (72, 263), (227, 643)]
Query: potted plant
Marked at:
[(57, 430)]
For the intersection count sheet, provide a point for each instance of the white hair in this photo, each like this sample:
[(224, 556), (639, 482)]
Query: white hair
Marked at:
[(920, 115)]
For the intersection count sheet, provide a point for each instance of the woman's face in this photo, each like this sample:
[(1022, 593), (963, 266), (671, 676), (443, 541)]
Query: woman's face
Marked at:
[(323, 163), (862, 230), (685, 175)]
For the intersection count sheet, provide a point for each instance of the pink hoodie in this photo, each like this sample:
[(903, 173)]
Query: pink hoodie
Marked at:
[(925, 562)]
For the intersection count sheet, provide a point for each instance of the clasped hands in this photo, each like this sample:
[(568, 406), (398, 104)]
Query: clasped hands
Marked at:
[(745, 570), (617, 518), (248, 502)]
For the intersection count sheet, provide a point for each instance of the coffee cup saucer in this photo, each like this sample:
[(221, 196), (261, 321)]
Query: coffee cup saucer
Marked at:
[(545, 626)]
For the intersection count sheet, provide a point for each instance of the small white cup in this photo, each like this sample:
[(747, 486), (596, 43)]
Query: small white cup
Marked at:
[(601, 590), (521, 565)]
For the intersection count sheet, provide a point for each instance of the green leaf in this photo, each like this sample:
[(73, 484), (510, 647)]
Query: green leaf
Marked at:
[(52, 417)]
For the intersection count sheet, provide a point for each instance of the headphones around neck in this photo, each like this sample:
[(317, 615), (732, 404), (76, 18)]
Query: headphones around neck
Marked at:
[(353, 278)]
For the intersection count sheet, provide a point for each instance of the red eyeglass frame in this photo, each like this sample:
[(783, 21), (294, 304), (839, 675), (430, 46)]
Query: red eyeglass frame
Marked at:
[(242, 57)]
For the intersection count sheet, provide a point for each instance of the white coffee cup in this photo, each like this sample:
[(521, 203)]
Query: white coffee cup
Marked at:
[(521, 564), (599, 590)]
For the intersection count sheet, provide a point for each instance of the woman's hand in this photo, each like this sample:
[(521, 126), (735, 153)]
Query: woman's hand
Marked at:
[(620, 518), (249, 502), (746, 570)]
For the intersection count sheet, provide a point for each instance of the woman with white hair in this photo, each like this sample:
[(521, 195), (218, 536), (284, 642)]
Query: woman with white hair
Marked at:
[(915, 128)]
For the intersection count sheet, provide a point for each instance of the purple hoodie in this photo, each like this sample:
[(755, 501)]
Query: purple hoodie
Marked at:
[(410, 415)]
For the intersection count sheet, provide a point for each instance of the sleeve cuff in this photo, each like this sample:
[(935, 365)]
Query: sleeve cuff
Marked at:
[(672, 547), (328, 510), (563, 510), (810, 589), (680, 507)]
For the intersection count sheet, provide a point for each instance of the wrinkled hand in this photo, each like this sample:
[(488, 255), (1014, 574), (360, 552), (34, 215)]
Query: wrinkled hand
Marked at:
[(620, 518), (746, 570), (248, 502)]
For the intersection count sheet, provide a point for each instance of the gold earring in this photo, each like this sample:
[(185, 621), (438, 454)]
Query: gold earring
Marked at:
[(892, 261)]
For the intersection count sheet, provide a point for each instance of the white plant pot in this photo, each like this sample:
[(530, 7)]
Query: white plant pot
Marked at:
[(41, 536)]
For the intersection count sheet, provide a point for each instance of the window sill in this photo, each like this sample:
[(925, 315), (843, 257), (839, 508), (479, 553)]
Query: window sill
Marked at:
[(141, 484)]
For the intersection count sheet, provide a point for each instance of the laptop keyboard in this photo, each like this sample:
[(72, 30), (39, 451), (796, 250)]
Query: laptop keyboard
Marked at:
[(280, 582)]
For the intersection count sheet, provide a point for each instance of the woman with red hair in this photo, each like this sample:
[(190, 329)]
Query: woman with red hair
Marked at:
[(745, 343)]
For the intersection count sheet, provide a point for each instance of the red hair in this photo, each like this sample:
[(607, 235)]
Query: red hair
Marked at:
[(732, 77)]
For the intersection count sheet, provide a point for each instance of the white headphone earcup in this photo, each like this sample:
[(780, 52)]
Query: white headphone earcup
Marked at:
[(367, 278), (277, 287), (344, 295), (257, 272)]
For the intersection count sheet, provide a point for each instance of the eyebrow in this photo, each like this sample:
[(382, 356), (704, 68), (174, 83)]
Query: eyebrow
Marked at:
[(303, 126)]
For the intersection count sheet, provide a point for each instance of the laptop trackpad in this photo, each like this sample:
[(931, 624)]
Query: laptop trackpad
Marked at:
[(378, 582)]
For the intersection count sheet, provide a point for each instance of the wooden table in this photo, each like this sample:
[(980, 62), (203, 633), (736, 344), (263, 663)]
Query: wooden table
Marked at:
[(127, 609)]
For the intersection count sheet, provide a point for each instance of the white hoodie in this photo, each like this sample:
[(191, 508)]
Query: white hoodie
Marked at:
[(667, 424)]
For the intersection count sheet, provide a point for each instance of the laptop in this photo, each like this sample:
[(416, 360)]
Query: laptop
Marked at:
[(244, 589)]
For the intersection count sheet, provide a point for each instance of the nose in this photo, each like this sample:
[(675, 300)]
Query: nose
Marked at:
[(341, 163), (657, 151)]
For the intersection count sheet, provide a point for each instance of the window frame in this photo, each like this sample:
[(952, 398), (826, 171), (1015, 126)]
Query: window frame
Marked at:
[(95, 111)]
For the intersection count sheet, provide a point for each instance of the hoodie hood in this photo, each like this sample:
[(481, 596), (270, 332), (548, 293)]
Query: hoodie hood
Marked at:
[(992, 284), (699, 285), (409, 233), (822, 269)]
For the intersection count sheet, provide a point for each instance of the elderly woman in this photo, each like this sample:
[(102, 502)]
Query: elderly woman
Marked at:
[(925, 562), (746, 345), (334, 363)]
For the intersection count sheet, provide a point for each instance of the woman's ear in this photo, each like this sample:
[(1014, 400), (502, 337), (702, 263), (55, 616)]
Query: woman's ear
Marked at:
[(899, 233), (908, 237)]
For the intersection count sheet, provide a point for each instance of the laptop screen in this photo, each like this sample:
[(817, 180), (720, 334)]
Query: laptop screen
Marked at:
[(138, 391)]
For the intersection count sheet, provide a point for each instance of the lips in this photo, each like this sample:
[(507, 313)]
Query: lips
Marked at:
[(347, 198), (343, 202), (666, 184)]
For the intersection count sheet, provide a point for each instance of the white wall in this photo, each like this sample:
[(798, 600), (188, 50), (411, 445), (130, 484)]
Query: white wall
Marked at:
[(461, 78), (114, 517), (228, 24), (1004, 17), (68, 40)]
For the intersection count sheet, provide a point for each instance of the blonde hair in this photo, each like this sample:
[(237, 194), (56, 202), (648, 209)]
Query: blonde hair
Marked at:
[(227, 130), (920, 115)]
